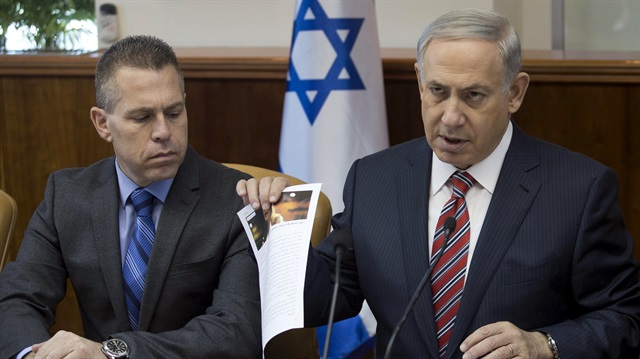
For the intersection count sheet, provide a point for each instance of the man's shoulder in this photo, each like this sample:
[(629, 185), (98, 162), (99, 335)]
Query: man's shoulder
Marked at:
[(553, 153), (211, 177), (94, 171), (406, 153), (417, 145), (526, 147), (211, 169)]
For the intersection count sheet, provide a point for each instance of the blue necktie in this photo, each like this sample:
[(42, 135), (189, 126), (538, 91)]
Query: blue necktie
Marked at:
[(135, 265)]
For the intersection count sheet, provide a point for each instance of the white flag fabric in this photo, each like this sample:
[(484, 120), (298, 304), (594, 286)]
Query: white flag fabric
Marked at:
[(334, 113), (334, 109)]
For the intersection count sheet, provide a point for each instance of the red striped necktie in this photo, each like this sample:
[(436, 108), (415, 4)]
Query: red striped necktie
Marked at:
[(447, 279)]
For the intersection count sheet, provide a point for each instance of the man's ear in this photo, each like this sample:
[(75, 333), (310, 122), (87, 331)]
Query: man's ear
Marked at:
[(417, 69), (99, 119), (516, 92)]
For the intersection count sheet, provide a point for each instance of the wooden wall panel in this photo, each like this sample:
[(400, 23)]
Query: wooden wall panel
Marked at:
[(47, 127), (586, 118), (235, 101), (236, 120), (631, 180), (403, 110)]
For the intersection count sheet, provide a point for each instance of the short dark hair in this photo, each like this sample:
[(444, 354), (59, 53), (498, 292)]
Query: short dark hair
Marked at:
[(137, 51)]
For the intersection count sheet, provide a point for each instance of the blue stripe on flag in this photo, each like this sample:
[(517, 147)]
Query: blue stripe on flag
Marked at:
[(349, 339)]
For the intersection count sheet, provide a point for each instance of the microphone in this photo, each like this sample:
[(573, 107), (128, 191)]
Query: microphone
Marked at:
[(449, 226), (341, 242)]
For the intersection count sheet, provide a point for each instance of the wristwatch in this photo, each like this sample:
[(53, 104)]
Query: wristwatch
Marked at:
[(553, 346), (115, 348)]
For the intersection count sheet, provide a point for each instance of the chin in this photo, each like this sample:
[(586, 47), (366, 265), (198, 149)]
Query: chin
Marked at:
[(163, 174), (452, 159)]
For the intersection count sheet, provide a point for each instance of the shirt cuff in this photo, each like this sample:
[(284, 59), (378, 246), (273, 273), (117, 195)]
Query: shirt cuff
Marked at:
[(24, 352)]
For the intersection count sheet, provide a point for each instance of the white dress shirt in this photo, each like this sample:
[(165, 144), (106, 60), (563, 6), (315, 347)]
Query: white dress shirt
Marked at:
[(479, 196)]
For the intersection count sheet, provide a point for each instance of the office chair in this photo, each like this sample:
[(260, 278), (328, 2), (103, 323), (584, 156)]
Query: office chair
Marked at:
[(8, 215), (295, 343), (322, 221)]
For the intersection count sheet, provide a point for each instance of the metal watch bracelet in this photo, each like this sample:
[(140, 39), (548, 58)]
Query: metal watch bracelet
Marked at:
[(553, 346)]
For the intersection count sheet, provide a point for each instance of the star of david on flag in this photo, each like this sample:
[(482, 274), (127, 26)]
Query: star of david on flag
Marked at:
[(334, 113), (341, 33), (334, 108)]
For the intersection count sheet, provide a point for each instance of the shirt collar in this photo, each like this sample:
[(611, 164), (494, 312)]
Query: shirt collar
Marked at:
[(485, 172), (159, 189)]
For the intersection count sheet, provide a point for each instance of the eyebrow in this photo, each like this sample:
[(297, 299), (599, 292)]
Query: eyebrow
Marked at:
[(173, 106), (434, 83), (473, 87)]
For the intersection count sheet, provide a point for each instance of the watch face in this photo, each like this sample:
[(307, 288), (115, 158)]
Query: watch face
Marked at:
[(116, 347)]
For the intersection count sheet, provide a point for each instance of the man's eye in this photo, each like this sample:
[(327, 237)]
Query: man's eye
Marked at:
[(141, 118), (173, 114), (437, 91), (476, 96)]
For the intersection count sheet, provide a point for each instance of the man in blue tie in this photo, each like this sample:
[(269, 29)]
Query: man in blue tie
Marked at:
[(547, 267), (149, 238)]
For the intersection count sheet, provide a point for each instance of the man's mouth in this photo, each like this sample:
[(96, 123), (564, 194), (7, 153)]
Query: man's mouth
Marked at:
[(163, 154), (452, 140)]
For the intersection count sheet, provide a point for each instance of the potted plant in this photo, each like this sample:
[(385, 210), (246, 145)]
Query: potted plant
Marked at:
[(47, 21), (8, 16)]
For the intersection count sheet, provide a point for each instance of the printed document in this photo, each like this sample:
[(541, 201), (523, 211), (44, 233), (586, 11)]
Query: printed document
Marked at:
[(280, 239)]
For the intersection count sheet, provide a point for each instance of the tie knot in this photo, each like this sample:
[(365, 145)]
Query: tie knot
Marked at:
[(462, 182), (142, 202)]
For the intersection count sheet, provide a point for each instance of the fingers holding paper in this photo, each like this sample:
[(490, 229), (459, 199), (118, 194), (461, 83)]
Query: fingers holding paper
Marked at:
[(261, 193)]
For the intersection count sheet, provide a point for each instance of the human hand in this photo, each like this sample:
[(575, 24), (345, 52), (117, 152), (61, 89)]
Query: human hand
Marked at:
[(262, 192), (67, 345), (505, 340)]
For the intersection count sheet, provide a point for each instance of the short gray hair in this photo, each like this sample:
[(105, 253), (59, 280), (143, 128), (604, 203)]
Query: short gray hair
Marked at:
[(477, 24), (138, 51)]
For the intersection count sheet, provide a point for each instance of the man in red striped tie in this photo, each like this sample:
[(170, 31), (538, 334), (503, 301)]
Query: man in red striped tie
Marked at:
[(539, 263)]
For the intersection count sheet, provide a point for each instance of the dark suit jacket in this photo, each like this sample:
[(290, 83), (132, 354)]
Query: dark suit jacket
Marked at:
[(553, 254), (201, 299)]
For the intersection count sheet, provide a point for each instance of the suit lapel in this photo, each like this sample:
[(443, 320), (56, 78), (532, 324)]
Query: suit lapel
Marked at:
[(176, 211), (514, 194), (413, 201), (105, 221)]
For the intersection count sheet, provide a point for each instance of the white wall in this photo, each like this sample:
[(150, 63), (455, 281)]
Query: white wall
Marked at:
[(531, 19), (603, 25), (251, 23)]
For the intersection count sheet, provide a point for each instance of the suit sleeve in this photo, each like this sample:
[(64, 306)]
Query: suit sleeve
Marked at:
[(33, 284), (604, 281), (320, 276)]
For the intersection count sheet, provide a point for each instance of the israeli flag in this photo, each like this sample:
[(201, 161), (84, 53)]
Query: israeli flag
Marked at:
[(334, 108), (334, 113)]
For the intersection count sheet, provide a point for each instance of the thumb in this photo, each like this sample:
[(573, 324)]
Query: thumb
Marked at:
[(36, 347)]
